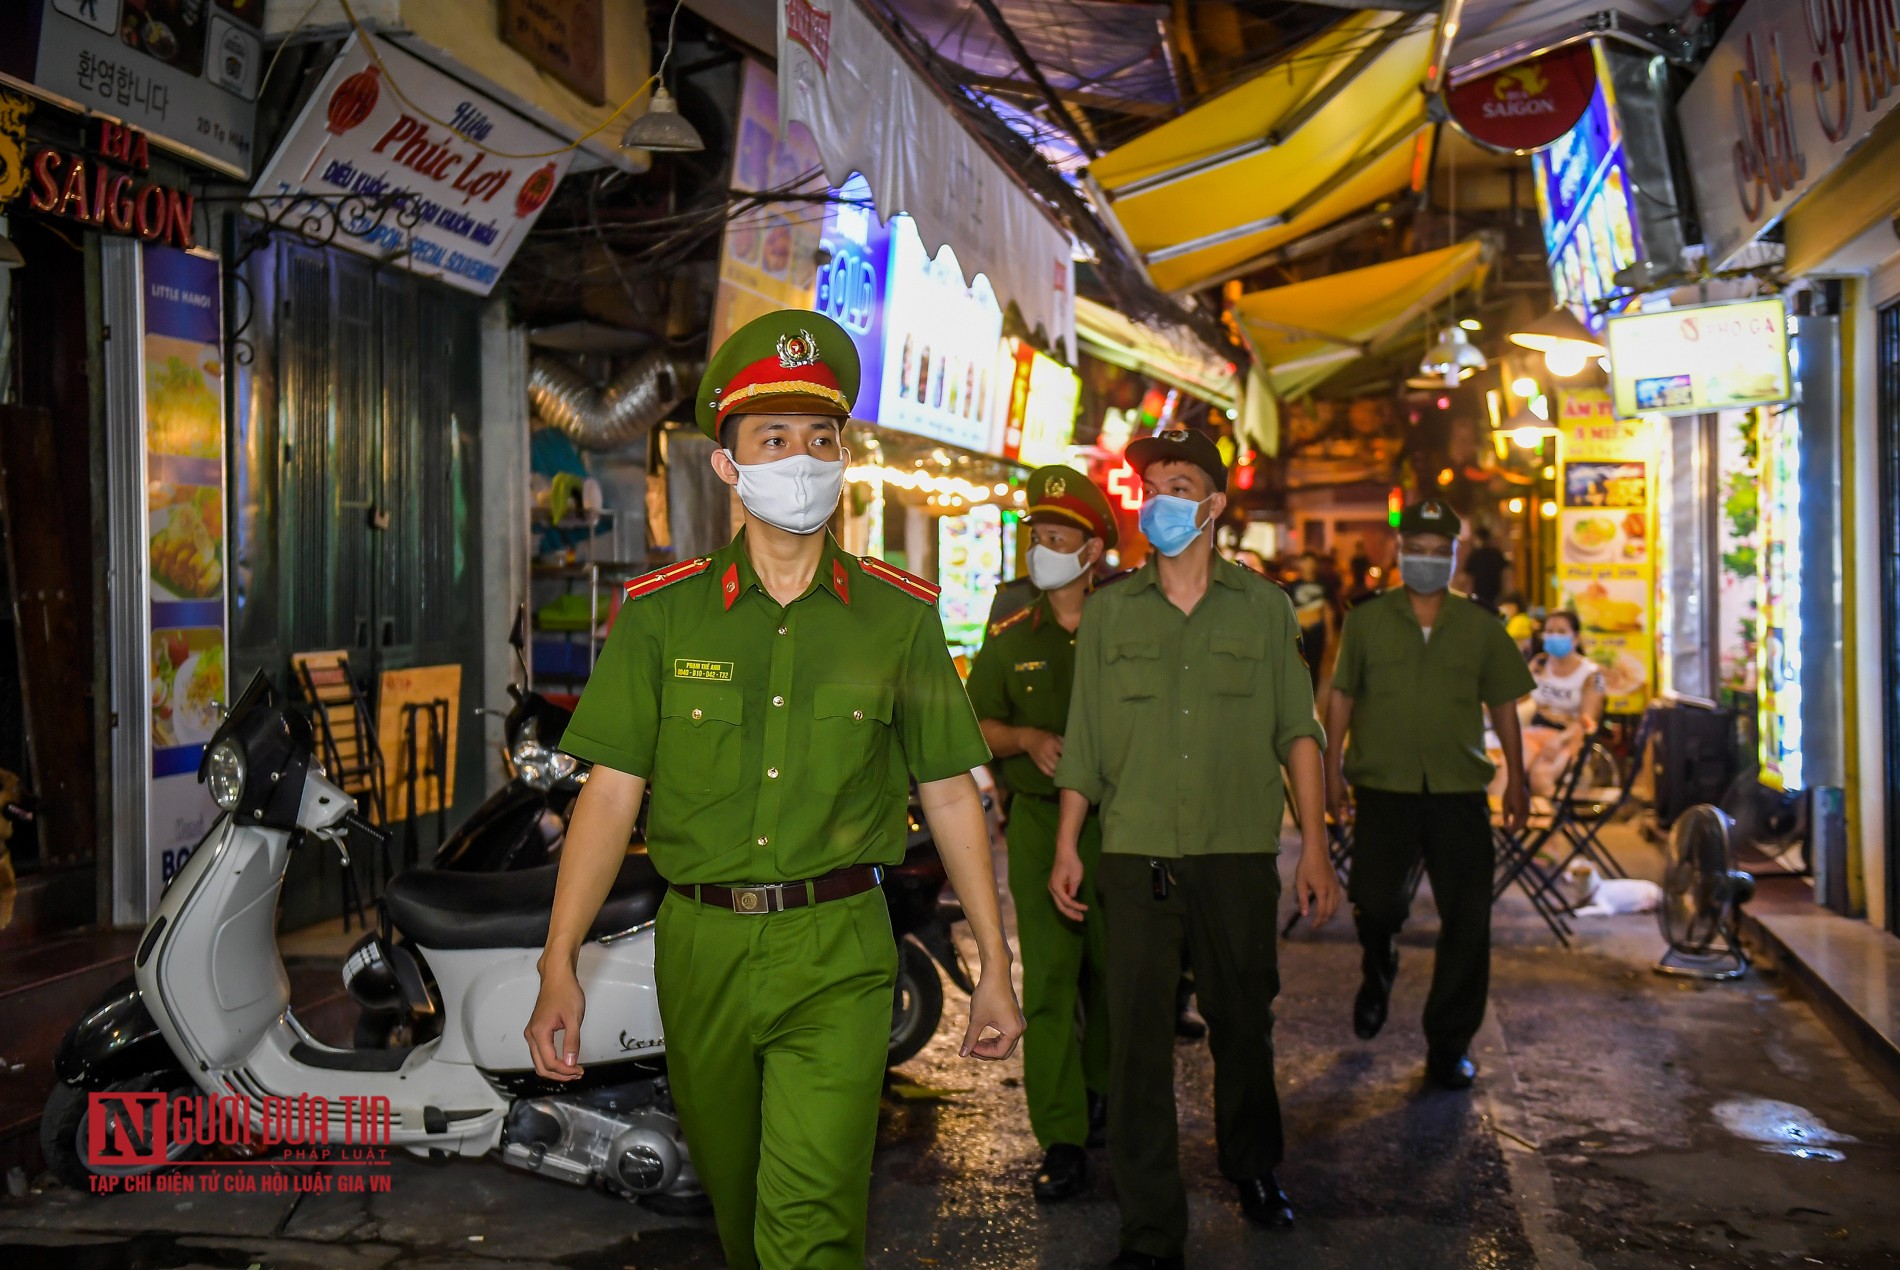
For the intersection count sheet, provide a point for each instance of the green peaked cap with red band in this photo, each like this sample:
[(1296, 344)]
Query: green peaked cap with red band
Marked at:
[(794, 362), (1063, 496)]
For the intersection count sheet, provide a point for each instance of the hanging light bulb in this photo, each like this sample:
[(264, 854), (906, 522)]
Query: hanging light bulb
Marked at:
[(661, 127), (1452, 356), (1565, 360)]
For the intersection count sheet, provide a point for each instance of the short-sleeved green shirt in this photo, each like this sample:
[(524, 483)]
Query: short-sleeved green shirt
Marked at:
[(1418, 704), (1178, 723), (1021, 676), (778, 739)]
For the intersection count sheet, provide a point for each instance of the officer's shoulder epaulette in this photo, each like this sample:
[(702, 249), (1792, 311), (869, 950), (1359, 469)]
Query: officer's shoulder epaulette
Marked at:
[(658, 579), (1002, 624), (909, 583), (1110, 580)]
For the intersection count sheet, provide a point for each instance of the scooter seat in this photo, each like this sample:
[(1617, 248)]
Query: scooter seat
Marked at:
[(445, 908)]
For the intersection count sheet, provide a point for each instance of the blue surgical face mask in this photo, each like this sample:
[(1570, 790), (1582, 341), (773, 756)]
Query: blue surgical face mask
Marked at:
[(1560, 645), (1170, 523)]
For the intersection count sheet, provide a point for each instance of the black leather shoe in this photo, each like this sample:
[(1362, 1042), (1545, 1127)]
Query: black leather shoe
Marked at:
[(1098, 1120), (1065, 1169), (1377, 969), (1368, 1010), (1451, 1072), (1265, 1204), (1146, 1261)]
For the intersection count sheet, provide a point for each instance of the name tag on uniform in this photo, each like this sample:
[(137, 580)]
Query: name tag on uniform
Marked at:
[(688, 668), (1031, 665)]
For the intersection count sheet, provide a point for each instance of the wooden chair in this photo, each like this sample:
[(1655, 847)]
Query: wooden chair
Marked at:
[(346, 744)]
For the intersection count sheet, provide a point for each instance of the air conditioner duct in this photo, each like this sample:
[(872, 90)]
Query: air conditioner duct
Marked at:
[(614, 416)]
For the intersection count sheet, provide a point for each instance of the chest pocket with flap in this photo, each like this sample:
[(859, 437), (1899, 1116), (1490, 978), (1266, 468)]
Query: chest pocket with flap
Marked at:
[(850, 733), (699, 738), (1238, 656), (1134, 669)]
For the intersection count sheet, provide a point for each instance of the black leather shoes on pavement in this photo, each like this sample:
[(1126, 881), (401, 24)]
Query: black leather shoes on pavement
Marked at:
[(1065, 1169), (1098, 1120), (1146, 1261), (1455, 1071), (1265, 1204)]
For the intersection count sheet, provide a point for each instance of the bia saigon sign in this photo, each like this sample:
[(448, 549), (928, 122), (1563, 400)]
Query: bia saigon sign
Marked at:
[(106, 189)]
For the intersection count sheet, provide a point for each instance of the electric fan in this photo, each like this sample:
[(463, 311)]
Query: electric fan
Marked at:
[(1702, 896), (1769, 826)]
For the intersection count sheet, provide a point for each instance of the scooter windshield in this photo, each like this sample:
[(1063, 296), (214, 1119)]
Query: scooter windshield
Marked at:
[(258, 695)]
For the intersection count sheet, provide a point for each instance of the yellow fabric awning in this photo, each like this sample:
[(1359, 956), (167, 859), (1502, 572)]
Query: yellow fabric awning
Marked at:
[(1338, 125), (1171, 354), (1303, 333)]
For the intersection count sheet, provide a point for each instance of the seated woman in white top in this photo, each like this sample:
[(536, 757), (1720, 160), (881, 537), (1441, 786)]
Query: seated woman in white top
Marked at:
[(1566, 707)]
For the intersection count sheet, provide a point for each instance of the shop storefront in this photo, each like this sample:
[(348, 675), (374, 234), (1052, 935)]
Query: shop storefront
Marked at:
[(112, 303), (1797, 131)]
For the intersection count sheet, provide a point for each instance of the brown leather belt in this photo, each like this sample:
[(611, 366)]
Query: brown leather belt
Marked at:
[(776, 897)]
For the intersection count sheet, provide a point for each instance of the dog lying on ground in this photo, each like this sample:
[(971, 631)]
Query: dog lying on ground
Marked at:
[(1592, 895)]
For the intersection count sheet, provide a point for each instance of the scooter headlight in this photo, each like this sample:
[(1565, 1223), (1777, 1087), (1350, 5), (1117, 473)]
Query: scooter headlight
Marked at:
[(225, 774), (539, 766)]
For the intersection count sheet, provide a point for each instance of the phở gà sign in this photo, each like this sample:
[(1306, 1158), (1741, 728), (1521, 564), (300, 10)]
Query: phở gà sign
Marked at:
[(422, 168), (1698, 359)]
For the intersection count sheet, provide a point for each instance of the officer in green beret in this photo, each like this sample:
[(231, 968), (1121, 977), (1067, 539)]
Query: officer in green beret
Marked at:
[(779, 696), (1019, 684), (1419, 668)]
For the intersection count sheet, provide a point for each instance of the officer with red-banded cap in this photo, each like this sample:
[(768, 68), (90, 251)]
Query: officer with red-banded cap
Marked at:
[(779, 695), (1019, 684)]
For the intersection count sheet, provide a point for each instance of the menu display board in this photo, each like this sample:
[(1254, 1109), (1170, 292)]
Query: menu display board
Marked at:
[(468, 193), (184, 530), (1779, 644), (1701, 359), (769, 260), (184, 71), (1605, 532), (1584, 199), (970, 555), (939, 377), (1039, 411)]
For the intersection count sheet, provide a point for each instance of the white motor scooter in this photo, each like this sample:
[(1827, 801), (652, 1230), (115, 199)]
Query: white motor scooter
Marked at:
[(208, 1003)]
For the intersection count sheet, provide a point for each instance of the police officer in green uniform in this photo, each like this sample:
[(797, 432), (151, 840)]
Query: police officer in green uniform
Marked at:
[(1019, 684), (778, 695), (1419, 668)]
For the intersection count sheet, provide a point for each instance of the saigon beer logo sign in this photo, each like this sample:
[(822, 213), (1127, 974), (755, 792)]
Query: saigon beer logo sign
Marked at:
[(107, 189), (1527, 105)]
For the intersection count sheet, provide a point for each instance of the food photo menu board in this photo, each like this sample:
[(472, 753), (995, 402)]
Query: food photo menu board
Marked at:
[(184, 530), (1605, 538)]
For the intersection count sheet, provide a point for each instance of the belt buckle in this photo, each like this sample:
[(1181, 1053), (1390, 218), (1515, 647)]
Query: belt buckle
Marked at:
[(753, 899)]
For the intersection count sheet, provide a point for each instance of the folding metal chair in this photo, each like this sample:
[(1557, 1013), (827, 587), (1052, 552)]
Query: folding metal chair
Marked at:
[(1517, 853), (346, 740), (1590, 807)]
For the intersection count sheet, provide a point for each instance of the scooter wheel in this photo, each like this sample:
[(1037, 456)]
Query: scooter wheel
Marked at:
[(918, 1006), (64, 1130)]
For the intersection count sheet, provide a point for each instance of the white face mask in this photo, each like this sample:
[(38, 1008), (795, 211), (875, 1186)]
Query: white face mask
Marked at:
[(1051, 570), (796, 494)]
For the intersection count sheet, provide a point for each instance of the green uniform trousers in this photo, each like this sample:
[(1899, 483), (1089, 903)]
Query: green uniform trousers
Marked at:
[(1065, 977), (777, 1027), (1223, 909)]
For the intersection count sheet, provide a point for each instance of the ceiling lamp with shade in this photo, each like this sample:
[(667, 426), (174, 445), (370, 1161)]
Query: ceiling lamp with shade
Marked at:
[(1566, 343)]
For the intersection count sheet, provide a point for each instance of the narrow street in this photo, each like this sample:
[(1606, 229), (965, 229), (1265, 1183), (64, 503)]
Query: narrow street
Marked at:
[(1621, 1120)]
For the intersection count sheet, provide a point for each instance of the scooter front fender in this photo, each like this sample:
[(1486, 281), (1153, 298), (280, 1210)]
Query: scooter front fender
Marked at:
[(116, 1040)]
